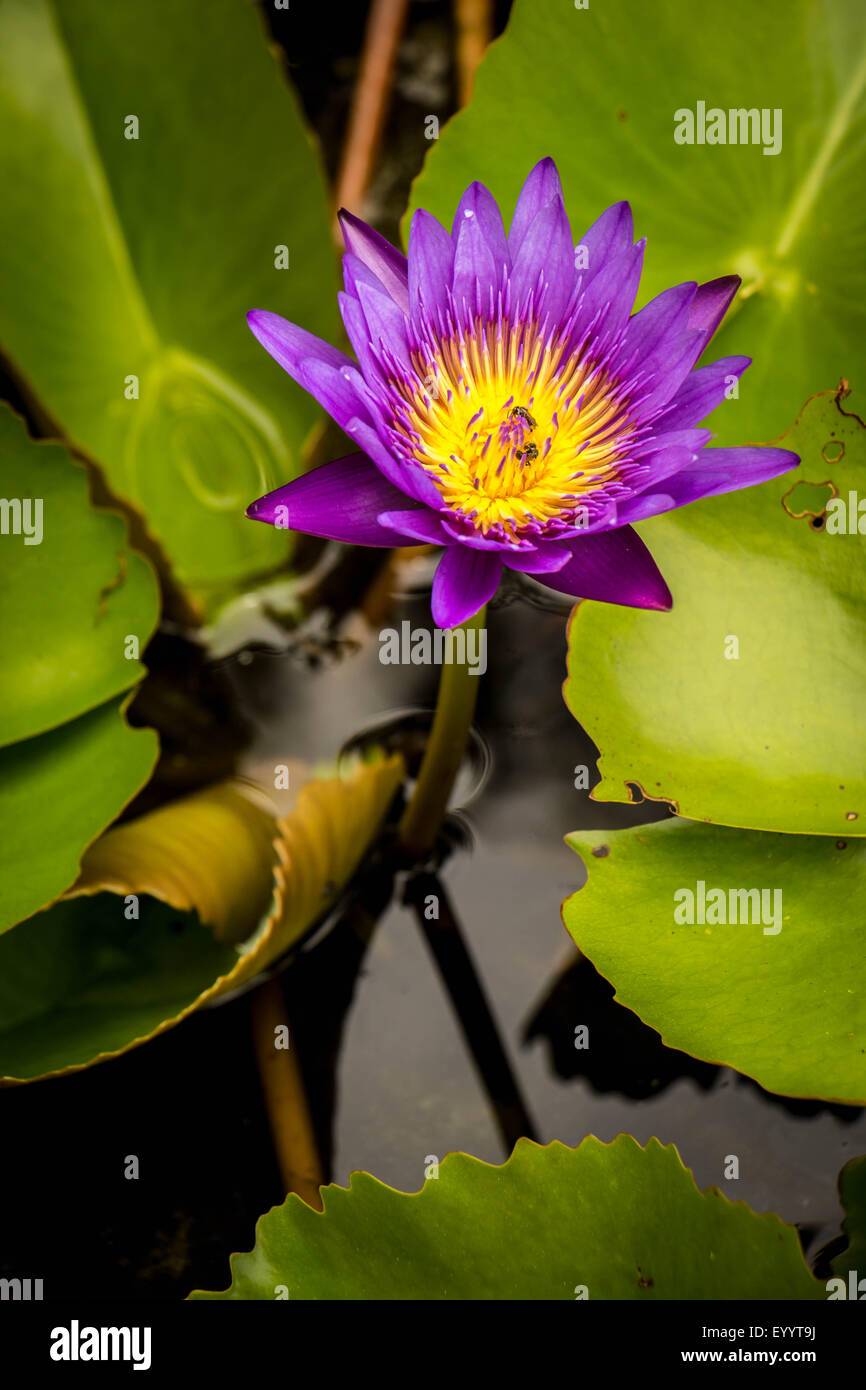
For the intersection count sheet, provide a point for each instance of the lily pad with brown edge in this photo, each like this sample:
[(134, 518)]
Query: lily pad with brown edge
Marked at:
[(602, 1221), (741, 947), (175, 909), (744, 705)]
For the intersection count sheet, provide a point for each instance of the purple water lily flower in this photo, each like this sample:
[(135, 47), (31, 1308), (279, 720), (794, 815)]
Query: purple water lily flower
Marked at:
[(509, 406)]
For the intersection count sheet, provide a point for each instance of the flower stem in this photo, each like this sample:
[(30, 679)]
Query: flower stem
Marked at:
[(446, 746)]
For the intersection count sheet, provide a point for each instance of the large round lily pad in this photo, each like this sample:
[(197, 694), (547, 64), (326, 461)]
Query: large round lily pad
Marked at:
[(601, 88), (773, 985), (603, 1221), (745, 704), (159, 183)]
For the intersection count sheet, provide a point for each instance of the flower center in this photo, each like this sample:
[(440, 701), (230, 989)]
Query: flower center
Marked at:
[(516, 432)]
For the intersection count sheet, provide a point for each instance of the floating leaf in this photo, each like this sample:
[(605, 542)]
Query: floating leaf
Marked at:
[(153, 164), (87, 979), (744, 705), (618, 1220), (585, 86), (73, 595), (786, 1007)]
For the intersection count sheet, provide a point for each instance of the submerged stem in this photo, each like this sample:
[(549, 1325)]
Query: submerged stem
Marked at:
[(455, 706)]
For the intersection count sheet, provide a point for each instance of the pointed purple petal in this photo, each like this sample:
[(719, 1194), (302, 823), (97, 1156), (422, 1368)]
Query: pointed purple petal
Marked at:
[(716, 471), (700, 393), (479, 205), (330, 376), (466, 533), (654, 329), (710, 306), (386, 323), (386, 262), (609, 236), (541, 187), (410, 478), (610, 295), (612, 567), (419, 523), (463, 582), (545, 262), (431, 261), (476, 272), (549, 556), (340, 501), (292, 346)]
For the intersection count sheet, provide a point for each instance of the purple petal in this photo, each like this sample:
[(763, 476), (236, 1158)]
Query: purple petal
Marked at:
[(700, 393), (476, 272), (549, 556), (710, 306), (340, 501), (463, 582), (418, 522), (410, 478), (330, 376), (654, 329), (431, 260), (716, 471), (667, 372), (546, 258), (386, 262), (292, 346), (609, 236), (664, 455), (359, 336), (610, 295), (479, 205), (612, 567), (386, 323), (466, 533), (541, 187)]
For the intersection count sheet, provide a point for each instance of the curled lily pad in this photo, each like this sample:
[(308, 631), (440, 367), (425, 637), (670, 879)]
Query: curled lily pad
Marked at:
[(602, 1221), (174, 909), (740, 947)]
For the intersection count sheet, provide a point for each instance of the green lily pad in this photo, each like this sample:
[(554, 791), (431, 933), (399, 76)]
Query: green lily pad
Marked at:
[(73, 592), (57, 792), (614, 1220), (779, 993), (598, 88), (744, 705), (88, 979), (153, 164)]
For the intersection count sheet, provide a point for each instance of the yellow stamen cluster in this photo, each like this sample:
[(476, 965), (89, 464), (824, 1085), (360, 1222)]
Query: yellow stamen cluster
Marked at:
[(512, 431)]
